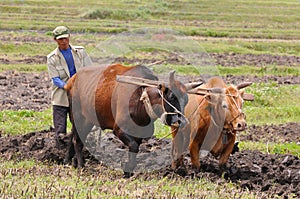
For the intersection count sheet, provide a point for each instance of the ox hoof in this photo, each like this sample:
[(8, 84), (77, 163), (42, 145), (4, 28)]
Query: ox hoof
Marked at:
[(67, 161), (74, 162), (127, 174), (235, 148), (128, 169), (196, 169), (181, 170), (177, 163), (61, 140)]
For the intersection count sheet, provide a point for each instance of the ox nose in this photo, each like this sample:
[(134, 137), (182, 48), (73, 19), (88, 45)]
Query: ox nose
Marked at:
[(240, 126), (178, 121), (181, 122)]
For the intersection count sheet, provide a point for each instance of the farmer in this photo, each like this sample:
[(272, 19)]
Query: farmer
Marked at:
[(63, 62)]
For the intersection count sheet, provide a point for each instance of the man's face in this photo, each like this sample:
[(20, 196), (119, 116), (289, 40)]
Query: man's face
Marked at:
[(63, 43)]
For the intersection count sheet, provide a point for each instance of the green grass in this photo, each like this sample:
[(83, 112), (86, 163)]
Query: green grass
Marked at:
[(271, 147), (23, 67), (24, 121), (260, 71), (90, 40), (273, 104), (31, 179), (186, 69), (249, 19), (31, 49)]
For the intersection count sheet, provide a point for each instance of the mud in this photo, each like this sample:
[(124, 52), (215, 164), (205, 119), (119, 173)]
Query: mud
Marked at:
[(30, 91), (283, 133), (233, 59), (252, 170)]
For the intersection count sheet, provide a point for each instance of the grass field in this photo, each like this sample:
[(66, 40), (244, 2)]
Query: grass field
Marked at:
[(241, 27)]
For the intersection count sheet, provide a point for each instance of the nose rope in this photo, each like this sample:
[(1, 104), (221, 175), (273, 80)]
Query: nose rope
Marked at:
[(169, 113), (145, 98), (239, 110)]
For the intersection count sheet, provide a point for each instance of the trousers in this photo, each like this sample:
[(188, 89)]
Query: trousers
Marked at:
[(60, 115)]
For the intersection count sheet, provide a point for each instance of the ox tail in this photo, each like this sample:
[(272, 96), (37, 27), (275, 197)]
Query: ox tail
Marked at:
[(69, 85)]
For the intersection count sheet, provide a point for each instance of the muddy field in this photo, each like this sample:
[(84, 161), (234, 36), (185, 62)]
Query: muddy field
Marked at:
[(253, 170)]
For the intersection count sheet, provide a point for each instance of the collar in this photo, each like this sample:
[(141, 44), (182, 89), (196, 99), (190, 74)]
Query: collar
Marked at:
[(57, 51)]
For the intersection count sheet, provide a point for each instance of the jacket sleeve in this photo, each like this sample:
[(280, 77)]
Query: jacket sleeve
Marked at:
[(51, 67)]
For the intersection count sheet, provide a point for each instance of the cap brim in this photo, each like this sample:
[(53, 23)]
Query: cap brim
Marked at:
[(62, 36)]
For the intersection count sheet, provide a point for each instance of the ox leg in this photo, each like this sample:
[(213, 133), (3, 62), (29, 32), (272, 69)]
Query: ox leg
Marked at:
[(129, 166), (194, 152), (78, 146), (179, 146), (133, 145), (78, 140), (226, 153), (70, 150)]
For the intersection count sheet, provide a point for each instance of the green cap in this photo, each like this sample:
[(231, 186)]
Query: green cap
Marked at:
[(61, 32)]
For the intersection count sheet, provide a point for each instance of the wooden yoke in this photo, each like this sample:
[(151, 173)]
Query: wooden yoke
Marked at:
[(153, 83), (138, 81)]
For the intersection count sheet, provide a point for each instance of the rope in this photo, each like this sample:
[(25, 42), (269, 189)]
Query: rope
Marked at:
[(176, 110), (145, 98), (238, 109)]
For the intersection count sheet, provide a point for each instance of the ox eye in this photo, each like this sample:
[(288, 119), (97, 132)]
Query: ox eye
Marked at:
[(224, 106), (171, 96)]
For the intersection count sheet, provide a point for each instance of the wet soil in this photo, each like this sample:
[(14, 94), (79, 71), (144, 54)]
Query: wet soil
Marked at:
[(253, 170), (262, 173)]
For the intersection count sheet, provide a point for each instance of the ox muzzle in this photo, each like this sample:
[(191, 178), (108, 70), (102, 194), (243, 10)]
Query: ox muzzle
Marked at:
[(177, 120)]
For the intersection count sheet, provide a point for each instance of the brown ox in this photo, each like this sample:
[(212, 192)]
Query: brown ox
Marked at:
[(215, 117), (96, 98)]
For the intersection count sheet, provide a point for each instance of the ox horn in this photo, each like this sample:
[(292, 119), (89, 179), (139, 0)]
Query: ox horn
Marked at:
[(172, 76), (190, 86), (216, 90), (243, 85)]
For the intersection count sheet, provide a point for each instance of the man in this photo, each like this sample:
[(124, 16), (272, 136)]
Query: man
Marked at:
[(63, 62)]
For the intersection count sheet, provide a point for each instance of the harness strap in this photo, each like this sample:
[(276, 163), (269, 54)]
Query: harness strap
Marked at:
[(176, 110), (145, 98), (237, 107)]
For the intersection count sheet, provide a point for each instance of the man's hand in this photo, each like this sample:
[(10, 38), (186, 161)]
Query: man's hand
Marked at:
[(65, 87)]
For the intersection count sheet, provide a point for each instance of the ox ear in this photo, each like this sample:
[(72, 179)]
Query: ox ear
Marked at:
[(161, 87), (248, 97), (211, 99), (243, 85), (207, 97)]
